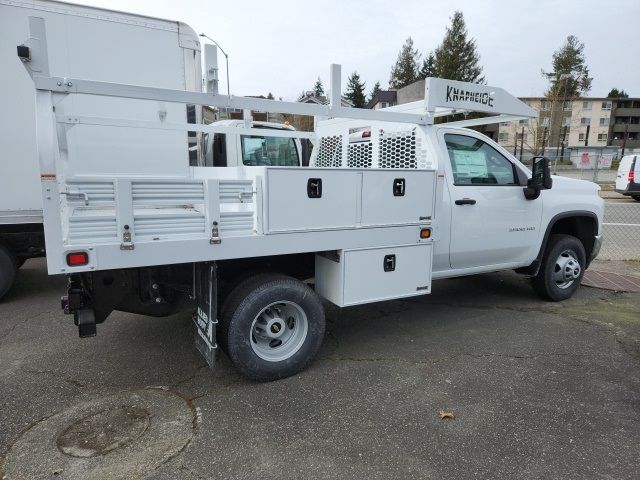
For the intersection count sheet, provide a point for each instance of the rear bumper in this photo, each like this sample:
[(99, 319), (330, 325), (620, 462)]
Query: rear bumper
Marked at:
[(632, 189)]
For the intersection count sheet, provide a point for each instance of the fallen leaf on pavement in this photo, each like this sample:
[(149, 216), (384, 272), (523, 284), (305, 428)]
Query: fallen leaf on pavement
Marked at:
[(446, 414)]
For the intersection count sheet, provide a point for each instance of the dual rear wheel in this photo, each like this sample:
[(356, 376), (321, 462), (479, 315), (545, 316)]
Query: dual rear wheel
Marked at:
[(9, 265), (271, 326)]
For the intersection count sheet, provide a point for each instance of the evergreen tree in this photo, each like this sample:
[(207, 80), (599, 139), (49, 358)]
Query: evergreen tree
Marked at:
[(270, 96), (615, 93), (355, 91), (428, 66), (318, 89), (405, 70), (456, 58), (374, 90), (569, 77)]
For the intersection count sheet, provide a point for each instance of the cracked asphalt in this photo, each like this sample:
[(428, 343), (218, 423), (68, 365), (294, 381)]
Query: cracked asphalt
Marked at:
[(538, 390)]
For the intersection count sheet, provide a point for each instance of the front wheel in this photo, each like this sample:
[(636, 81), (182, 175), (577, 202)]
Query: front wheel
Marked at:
[(562, 268), (271, 326)]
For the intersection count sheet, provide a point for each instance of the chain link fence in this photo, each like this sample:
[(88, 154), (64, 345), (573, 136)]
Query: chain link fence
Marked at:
[(621, 227)]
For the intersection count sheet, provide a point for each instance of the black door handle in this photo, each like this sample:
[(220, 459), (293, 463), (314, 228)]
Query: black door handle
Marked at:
[(466, 201), (314, 188)]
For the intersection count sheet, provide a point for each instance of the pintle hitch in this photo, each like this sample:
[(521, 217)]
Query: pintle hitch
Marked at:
[(77, 303)]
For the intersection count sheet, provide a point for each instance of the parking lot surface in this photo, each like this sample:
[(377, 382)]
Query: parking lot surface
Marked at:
[(538, 390)]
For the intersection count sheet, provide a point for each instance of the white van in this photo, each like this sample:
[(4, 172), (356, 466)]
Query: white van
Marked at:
[(628, 177)]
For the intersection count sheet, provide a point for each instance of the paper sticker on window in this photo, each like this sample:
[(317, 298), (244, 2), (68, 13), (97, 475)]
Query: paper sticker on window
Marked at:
[(470, 164)]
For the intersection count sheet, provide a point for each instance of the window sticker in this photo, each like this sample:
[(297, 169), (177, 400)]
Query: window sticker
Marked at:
[(470, 164)]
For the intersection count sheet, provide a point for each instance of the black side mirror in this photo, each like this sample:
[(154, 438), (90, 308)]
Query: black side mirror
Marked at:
[(540, 178)]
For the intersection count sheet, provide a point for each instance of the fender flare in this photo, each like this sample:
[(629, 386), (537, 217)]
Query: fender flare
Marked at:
[(532, 270)]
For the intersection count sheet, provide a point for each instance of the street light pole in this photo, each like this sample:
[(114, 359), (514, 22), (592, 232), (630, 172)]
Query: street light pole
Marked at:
[(226, 59)]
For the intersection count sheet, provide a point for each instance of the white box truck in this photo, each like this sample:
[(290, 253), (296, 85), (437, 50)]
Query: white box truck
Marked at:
[(391, 200), (84, 42)]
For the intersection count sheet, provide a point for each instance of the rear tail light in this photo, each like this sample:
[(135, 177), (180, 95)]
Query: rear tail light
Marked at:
[(631, 176), (77, 259)]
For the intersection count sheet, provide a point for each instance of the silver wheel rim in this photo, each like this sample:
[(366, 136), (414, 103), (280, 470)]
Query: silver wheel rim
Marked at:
[(278, 331), (567, 269)]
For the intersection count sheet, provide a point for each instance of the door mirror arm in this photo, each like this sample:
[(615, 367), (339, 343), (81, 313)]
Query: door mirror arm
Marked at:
[(540, 178)]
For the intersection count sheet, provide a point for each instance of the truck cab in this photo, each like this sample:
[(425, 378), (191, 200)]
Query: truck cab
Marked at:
[(236, 149)]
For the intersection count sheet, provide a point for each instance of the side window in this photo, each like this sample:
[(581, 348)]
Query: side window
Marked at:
[(476, 163), (269, 151), (214, 149)]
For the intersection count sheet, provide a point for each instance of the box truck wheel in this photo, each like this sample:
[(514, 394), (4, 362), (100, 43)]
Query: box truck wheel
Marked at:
[(271, 326), (8, 269), (562, 268)]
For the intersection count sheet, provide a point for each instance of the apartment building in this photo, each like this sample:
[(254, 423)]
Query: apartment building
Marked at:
[(581, 122), (625, 123)]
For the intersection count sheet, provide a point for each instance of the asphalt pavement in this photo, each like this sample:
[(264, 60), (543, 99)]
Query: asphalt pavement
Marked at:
[(537, 390)]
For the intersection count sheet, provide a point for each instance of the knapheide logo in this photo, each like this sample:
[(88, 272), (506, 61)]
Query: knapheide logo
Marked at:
[(459, 95)]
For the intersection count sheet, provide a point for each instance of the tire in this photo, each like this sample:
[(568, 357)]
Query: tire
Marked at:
[(264, 310), (8, 270), (562, 268), (636, 198)]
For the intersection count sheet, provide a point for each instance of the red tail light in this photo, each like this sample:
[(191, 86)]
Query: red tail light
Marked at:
[(631, 175), (77, 259)]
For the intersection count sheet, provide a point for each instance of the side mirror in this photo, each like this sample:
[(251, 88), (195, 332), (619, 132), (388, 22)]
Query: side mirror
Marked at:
[(540, 178)]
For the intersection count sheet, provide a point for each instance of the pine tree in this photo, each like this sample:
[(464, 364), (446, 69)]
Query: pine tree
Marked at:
[(270, 96), (374, 90), (318, 88), (456, 58), (355, 91), (428, 66), (405, 70), (615, 93), (569, 77)]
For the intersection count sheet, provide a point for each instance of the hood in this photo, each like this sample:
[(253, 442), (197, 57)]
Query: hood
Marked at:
[(568, 185)]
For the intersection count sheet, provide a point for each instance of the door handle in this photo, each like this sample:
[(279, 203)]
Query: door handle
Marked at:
[(465, 201), (314, 188)]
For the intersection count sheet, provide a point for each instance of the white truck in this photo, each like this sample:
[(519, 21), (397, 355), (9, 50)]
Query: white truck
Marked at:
[(391, 201)]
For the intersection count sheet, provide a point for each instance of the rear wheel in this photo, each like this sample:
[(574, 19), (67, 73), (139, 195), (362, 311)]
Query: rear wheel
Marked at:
[(271, 326), (636, 198), (562, 268), (8, 269)]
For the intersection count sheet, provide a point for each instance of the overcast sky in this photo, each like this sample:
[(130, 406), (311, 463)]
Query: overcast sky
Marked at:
[(282, 46)]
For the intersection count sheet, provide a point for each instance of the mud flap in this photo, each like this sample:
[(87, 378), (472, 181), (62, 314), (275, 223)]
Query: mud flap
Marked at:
[(205, 285)]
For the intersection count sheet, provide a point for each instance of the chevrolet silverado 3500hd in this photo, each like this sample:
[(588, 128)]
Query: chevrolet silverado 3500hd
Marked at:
[(390, 202)]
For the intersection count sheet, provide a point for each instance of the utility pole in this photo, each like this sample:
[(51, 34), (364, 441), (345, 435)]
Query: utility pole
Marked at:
[(586, 137), (226, 58), (521, 142)]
